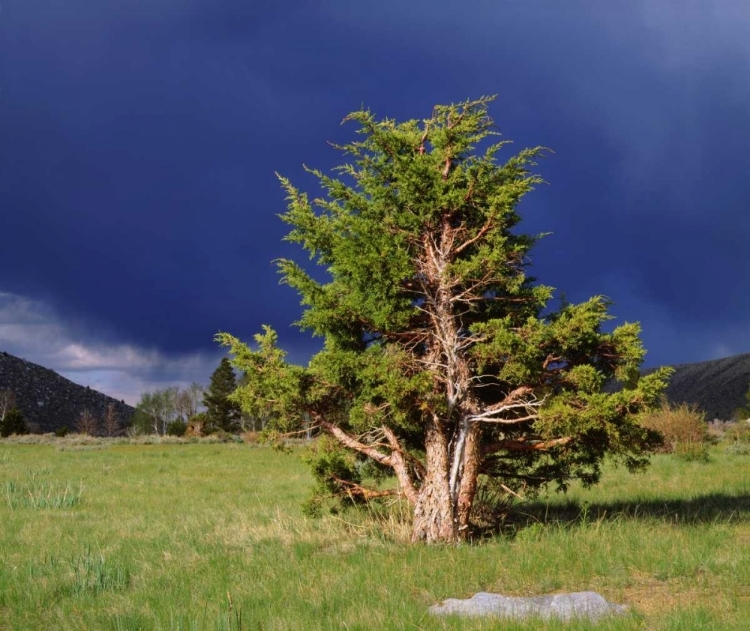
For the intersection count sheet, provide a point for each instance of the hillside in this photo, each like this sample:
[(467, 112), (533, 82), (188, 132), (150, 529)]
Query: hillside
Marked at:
[(50, 401), (717, 386)]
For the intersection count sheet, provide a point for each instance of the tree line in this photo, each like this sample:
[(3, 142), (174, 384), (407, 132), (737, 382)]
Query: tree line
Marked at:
[(194, 410)]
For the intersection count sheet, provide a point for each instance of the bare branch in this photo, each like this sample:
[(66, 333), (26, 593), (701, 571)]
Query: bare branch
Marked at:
[(352, 488), (525, 446), (394, 460), (485, 228)]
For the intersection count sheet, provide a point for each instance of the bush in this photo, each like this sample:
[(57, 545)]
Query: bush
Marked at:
[(251, 438), (683, 429), (197, 425), (692, 452), (13, 423), (177, 428), (738, 449), (738, 433), (62, 432)]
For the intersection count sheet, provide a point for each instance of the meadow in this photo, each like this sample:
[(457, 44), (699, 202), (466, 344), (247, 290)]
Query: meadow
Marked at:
[(197, 537)]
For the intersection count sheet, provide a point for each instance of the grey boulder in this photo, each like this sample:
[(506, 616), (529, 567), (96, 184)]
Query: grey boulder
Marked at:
[(577, 605)]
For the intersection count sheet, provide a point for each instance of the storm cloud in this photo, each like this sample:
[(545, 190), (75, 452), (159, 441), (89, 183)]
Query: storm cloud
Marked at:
[(140, 141)]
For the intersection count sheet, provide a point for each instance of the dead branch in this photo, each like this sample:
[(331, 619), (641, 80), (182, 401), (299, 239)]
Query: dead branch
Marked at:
[(525, 446), (352, 488)]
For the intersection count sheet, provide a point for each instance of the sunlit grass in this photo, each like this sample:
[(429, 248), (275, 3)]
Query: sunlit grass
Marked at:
[(201, 537)]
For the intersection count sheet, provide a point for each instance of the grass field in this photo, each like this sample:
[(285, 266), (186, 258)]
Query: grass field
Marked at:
[(205, 537)]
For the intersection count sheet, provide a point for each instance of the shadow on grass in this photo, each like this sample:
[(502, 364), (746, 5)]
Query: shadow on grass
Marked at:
[(712, 507)]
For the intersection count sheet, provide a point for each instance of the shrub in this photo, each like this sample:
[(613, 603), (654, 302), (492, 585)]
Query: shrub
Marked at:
[(692, 452), (176, 428), (62, 432), (251, 437), (13, 423), (738, 449), (738, 433), (197, 425), (682, 427)]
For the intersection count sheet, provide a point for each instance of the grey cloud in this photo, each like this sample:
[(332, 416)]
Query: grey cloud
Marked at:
[(32, 330)]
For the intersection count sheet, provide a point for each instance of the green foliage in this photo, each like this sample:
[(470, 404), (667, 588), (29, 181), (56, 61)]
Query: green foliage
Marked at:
[(335, 470), (142, 423), (742, 413), (431, 323), (177, 428), (222, 412), (13, 423), (61, 432)]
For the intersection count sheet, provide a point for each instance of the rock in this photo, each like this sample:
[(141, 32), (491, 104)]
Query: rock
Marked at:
[(577, 605)]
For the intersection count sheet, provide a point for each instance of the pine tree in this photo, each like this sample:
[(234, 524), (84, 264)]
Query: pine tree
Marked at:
[(222, 412), (443, 363)]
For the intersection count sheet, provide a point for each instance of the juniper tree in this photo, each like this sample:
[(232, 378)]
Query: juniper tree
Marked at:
[(442, 362)]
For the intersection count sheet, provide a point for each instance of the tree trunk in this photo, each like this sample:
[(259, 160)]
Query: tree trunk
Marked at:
[(433, 512), (468, 486)]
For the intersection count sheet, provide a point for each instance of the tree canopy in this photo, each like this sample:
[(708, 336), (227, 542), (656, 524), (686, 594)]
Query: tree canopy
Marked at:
[(443, 363)]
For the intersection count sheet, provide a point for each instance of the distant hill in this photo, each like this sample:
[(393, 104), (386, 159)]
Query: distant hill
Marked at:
[(50, 401), (717, 386)]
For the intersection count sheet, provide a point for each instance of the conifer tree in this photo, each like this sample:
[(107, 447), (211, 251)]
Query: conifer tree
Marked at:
[(13, 423), (443, 364), (222, 412)]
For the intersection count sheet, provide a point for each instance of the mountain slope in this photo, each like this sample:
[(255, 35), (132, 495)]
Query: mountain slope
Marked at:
[(50, 401), (717, 386)]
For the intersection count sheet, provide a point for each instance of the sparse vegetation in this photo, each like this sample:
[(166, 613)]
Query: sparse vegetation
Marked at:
[(196, 536)]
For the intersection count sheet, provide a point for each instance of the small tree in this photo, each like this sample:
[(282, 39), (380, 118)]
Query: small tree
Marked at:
[(141, 422), (160, 406), (442, 363), (87, 423), (221, 411), (13, 422), (189, 401), (111, 420), (7, 403)]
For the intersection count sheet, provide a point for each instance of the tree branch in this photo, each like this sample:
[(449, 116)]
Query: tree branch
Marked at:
[(485, 228), (524, 446), (395, 459), (352, 488)]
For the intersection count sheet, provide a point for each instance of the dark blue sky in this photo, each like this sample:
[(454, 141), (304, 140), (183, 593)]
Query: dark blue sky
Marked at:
[(139, 141)]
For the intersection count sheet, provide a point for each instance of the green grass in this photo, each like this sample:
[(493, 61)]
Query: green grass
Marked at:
[(211, 537)]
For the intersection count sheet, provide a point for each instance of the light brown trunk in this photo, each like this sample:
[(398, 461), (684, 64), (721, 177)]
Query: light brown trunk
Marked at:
[(433, 512), (469, 480)]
